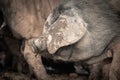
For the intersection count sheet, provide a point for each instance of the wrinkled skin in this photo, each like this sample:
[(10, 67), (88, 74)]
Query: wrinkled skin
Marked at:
[(96, 20)]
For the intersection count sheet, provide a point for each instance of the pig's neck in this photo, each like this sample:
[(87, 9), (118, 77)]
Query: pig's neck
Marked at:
[(101, 40), (85, 48), (91, 45)]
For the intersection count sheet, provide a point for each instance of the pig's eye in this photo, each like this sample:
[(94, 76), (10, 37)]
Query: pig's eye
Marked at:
[(67, 8), (62, 9)]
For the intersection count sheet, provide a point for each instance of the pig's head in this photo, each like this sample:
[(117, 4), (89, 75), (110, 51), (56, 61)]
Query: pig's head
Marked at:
[(64, 27)]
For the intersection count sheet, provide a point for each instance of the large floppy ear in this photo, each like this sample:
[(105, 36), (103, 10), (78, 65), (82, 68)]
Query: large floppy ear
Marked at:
[(66, 30)]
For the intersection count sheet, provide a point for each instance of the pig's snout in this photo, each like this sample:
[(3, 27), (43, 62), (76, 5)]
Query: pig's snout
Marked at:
[(38, 45)]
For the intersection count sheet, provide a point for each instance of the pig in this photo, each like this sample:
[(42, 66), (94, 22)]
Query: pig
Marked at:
[(78, 31), (25, 19)]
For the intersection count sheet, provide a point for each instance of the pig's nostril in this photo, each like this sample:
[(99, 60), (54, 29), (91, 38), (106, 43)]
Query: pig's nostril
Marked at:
[(37, 45), (33, 46)]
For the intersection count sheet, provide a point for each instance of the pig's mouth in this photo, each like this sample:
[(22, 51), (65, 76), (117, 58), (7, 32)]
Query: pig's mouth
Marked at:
[(38, 45), (33, 46), (63, 53)]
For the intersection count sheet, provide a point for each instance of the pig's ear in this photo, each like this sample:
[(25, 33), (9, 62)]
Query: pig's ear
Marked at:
[(66, 30)]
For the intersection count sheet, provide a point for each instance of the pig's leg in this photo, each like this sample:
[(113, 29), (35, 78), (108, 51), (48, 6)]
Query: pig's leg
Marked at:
[(100, 70), (115, 65), (95, 71), (98, 64)]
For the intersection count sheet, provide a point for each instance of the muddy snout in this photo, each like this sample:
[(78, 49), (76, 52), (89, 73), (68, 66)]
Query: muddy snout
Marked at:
[(37, 45)]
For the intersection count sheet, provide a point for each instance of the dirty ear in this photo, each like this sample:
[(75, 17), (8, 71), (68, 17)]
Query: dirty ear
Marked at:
[(66, 30)]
